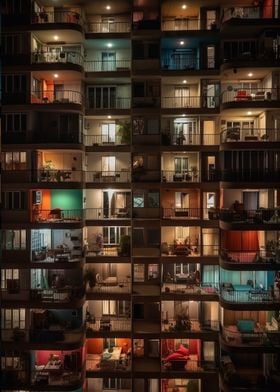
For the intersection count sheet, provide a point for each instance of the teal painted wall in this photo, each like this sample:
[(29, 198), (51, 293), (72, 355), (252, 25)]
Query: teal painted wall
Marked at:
[(66, 199)]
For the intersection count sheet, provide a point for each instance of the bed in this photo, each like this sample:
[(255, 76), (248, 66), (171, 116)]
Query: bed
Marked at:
[(110, 358), (110, 281)]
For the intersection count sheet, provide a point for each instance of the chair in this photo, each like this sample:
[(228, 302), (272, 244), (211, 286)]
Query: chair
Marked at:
[(242, 95), (250, 282), (260, 96)]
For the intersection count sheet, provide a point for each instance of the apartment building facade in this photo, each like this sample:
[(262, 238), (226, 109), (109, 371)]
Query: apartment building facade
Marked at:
[(140, 196)]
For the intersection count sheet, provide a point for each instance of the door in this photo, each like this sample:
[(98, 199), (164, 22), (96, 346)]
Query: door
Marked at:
[(181, 165), (211, 16), (250, 200), (108, 61), (108, 133), (210, 56), (108, 166), (103, 97), (182, 97), (181, 200)]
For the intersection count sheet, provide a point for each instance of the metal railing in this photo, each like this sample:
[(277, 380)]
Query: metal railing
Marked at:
[(186, 213), (121, 286), (59, 175), (170, 249), (184, 176), (238, 134), (175, 139), (108, 176), (261, 338), (207, 288), (117, 103), (181, 102), (59, 376), (249, 12), (43, 57), (109, 27), (261, 216), (260, 256), (110, 323), (174, 325), (63, 295), (188, 23), (188, 365), (53, 255), (250, 175), (57, 17), (179, 61), (250, 296), (55, 335), (101, 140), (258, 94), (107, 65), (51, 97), (101, 213), (57, 215)]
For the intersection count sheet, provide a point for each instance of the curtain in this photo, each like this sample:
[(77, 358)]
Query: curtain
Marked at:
[(242, 241)]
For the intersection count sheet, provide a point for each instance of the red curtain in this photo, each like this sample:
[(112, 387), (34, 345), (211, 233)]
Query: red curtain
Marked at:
[(267, 9), (242, 241)]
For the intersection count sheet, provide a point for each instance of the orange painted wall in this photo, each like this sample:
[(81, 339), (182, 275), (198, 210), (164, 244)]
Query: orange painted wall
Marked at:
[(95, 346), (124, 343)]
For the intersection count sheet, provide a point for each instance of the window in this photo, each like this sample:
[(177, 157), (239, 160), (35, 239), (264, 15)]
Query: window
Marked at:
[(14, 200), (145, 126), (138, 200), (14, 83), (108, 166), (108, 133), (109, 307), (181, 164), (14, 122), (153, 271), (153, 199), (13, 318), (14, 160), (11, 362), (12, 44), (14, 239), (112, 234), (103, 97), (139, 273), (8, 275), (37, 87)]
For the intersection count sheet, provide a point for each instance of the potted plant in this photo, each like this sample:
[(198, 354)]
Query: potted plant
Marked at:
[(124, 132)]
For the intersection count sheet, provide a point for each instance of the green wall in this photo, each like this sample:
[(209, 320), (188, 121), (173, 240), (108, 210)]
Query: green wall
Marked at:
[(66, 199)]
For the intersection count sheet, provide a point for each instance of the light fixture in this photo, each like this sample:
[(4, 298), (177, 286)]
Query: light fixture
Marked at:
[(109, 45), (183, 115), (184, 81), (250, 74), (182, 42), (109, 116), (184, 6), (55, 37), (249, 113), (108, 7), (55, 75)]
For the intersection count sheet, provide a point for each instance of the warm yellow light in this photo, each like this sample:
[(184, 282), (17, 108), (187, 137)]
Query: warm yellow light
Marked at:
[(182, 42), (250, 74), (108, 7), (184, 6), (55, 75), (55, 37)]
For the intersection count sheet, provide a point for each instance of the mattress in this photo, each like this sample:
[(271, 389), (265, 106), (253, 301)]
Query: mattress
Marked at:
[(111, 281)]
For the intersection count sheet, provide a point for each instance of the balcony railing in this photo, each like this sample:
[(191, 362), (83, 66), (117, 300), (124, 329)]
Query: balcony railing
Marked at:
[(114, 365), (57, 254), (45, 57), (184, 176), (63, 295), (250, 12), (180, 324), (110, 324), (55, 376), (173, 249), (118, 286), (190, 213), (252, 296), (196, 139), (57, 215), (261, 256), (250, 175), (209, 288), (259, 94), (52, 97), (101, 213), (59, 175), (181, 102), (107, 66), (259, 216), (108, 176), (109, 27), (103, 140), (118, 103), (189, 365), (191, 23), (179, 61), (57, 17), (238, 134), (262, 337)]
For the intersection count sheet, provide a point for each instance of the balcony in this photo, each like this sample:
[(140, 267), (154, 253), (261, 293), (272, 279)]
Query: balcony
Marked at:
[(179, 324), (47, 17), (188, 286), (101, 213), (117, 103), (109, 323), (188, 24), (50, 97), (57, 215), (261, 216), (64, 295), (239, 135), (182, 102), (260, 258), (63, 57), (249, 12), (254, 337), (261, 175), (122, 176), (107, 66), (246, 294), (110, 26), (236, 97), (183, 176), (59, 175), (185, 139), (101, 358)]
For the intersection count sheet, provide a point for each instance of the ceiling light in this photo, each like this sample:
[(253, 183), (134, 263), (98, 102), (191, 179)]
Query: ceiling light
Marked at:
[(183, 115), (250, 74), (109, 45), (184, 6), (109, 116), (184, 81), (249, 113), (182, 42), (55, 75), (55, 37), (108, 7)]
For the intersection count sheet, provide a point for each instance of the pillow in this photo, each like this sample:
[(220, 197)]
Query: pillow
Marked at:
[(106, 356), (183, 350), (173, 356)]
